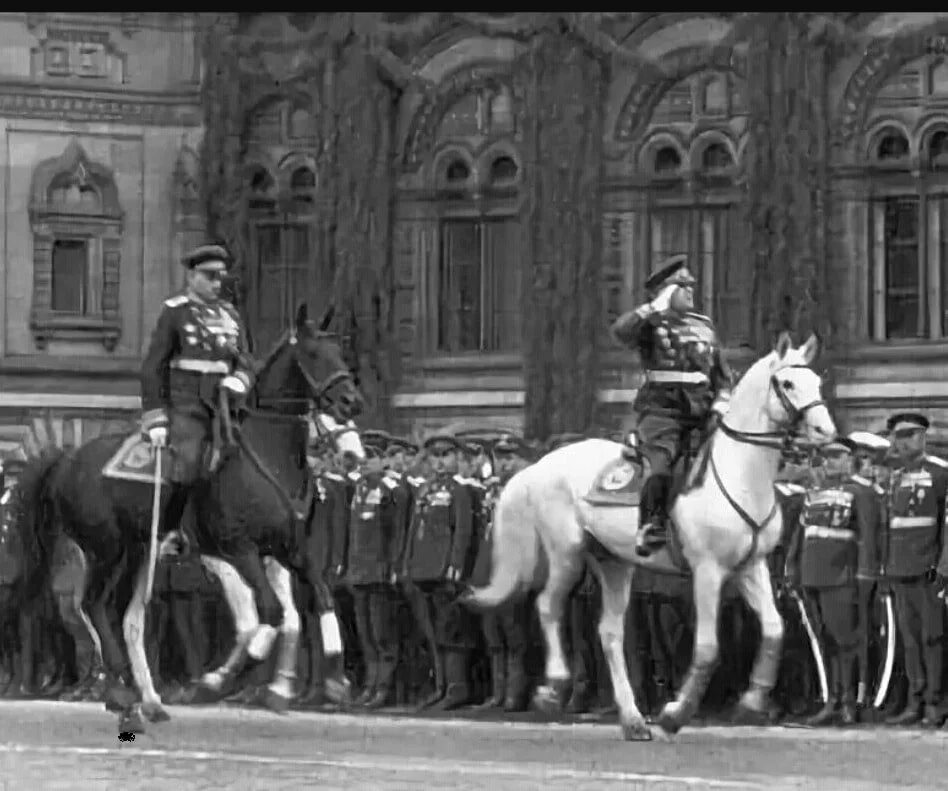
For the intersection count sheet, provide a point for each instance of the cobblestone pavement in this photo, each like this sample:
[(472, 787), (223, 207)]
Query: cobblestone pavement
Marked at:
[(51, 746)]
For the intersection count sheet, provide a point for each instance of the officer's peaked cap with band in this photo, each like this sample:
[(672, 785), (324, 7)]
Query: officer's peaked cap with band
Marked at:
[(398, 444), (510, 443), (206, 254), (839, 444), (906, 420), (671, 270), (442, 438), (376, 439), (866, 440)]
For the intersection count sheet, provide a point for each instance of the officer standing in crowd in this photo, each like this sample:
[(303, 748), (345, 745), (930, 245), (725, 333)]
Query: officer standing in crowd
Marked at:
[(840, 520), (914, 547), (437, 550)]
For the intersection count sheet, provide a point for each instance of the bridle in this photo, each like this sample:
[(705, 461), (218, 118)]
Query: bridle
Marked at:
[(780, 439), (319, 389)]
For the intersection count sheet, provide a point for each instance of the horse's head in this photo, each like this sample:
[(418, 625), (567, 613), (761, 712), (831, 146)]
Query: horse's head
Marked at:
[(307, 366), (341, 437), (795, 399), (788, 391)]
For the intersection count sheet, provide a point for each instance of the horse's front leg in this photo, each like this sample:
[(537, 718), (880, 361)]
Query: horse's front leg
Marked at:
[(133, 627), (270, 612), (281, 691)]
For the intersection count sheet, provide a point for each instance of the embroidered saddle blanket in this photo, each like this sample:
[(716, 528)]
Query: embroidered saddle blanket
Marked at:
[(619, 483), (135, 461)]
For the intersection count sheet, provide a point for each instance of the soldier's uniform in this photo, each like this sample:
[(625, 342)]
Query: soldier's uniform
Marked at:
[(914, 545), (840, 523), (505, 629), (686, 380), (378, 508), (438, 548), (195, 345)]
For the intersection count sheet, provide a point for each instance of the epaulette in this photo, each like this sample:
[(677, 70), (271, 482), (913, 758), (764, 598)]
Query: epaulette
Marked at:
[(936, 461), (860, 480), (395, 476), (701, 316), (333, 476), (878, 489), (461, 479), (790, 488), (353, 476), (176, 301), (414, 481), (389, 484)]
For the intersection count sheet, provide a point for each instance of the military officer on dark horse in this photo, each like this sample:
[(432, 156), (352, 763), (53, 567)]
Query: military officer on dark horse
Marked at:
[(199, 344), (687, 384)]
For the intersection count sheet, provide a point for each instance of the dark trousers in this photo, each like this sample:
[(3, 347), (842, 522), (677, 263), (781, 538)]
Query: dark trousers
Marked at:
[(920, 614), (836, 617), (374, 620)]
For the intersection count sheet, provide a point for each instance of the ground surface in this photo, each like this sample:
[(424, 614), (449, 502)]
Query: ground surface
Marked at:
[(51, 746)]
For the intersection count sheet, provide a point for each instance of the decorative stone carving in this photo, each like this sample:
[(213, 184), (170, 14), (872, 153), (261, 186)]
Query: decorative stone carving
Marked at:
[(74, 198), (68, 52), (636, 112), (26, 101)]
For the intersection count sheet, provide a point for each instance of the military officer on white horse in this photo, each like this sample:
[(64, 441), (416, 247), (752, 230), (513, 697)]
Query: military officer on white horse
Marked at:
[(687, 384)]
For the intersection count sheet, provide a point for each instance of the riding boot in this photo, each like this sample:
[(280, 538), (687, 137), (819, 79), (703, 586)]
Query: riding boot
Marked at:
[(653, 531), (498, 681), (371, 680), (386, 665), (456, 691), (518, 683), (439, 681)]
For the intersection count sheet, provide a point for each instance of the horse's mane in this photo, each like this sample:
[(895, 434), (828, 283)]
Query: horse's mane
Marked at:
[(763, 368)]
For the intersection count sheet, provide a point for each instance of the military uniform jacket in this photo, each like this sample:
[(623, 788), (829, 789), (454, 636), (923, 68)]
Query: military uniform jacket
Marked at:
[(193, 346), (915, 538), (416, 487), (372, 526), (683, 356), (834, 522), (323, 524), (337, 488), (870, 549), (403, 497), (480, 574), (790, 497), (441, 529)]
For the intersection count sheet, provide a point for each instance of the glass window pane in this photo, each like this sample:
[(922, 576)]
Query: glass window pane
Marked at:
[(69, 276), (502, 241), (459, 287), (904, 307)]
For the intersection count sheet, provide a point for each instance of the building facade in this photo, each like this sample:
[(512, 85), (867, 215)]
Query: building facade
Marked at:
[(101, 123)]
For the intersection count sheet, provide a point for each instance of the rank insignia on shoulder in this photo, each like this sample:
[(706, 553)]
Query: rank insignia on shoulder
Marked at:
[(176, 301)]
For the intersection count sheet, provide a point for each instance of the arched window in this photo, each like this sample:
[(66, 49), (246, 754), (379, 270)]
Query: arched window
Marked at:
[(906, 165), (693, 202), (474, 294), (77, 232)]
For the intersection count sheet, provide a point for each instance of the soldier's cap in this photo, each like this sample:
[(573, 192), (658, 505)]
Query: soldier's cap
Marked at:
[(444, 440), (844, 444), (474, 446), (399, 445), (510, 444), (866, 440), (566, 438), (207, 257), (671, 270), (372, 451), (376, 438), (906, 421)]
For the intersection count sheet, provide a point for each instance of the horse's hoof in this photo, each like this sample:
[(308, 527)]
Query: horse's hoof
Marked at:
[(154, 712), (131, 722), (547, 700), (636, 731), (339, 692), (275, 702), (668, 719), (212, 681)]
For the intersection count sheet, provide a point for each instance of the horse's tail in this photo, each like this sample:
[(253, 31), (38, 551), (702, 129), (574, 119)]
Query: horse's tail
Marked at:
[(34, 513), (516, 547)]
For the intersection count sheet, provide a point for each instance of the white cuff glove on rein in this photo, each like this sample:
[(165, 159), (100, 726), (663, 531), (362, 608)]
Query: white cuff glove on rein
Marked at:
[(234, 385)]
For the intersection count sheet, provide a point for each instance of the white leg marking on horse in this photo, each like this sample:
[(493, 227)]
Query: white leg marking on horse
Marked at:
[(134, 630), (243, 609), (756, 588), (329, 628), (281, 582), (616, 583), (78, 595), (550, 606)]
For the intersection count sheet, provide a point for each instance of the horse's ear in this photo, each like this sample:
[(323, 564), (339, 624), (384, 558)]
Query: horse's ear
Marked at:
[(784, 344), (327, 318), (302, 316), (811, 349)]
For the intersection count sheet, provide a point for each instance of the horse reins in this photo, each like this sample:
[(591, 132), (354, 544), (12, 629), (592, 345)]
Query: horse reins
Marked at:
[(776, 440)]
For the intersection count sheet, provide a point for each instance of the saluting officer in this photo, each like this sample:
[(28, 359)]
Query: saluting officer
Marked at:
[(915, 542), (840, 521), (198, 345), (687, 382), (437, 550)]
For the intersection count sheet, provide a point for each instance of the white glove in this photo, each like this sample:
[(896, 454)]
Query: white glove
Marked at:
[(234, 385), (158, 436), (662, 302)]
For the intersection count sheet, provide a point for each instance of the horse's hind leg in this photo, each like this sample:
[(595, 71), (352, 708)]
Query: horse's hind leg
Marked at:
[(563, 575), (615, 579), (707, 581), (757, 590), (134, 629)]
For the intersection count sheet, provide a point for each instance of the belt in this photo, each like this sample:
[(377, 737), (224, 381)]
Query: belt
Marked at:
[(838, 533), (676, 377), (201, 366), (912, 521)]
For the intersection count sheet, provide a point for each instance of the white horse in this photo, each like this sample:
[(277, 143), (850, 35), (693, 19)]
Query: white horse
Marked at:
[(252, 638), (726, 524)]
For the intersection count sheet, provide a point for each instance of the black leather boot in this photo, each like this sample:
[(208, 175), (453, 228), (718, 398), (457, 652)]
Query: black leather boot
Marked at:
[(652, 534)]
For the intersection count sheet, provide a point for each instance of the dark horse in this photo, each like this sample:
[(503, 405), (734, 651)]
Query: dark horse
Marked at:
[(249, 507)]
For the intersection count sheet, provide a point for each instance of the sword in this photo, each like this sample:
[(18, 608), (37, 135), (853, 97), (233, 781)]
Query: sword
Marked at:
[(814, 647), (886, 678), (155, 519)]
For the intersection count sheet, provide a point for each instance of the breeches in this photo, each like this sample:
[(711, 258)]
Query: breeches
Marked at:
[(661, 440), (505, 629), (920, 615), (188, 436), (836, 611), (374, 616), (454, 625)]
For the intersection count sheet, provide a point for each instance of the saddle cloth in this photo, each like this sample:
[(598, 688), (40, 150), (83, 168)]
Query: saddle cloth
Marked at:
[(134, 461), (619, 483)]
